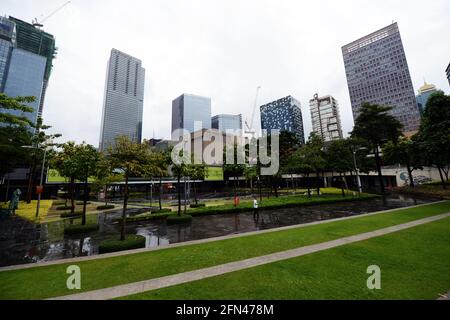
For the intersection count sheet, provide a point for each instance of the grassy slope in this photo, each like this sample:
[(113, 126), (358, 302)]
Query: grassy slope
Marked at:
[(50, 281), (414, 265)]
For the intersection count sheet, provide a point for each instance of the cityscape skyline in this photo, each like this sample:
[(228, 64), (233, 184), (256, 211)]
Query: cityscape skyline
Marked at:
[(212, 81)]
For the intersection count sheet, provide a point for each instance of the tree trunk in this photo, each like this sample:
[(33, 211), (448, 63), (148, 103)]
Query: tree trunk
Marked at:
[(342, 185), (124, 212), (179, 195), (195, 193), (86, 196), (444, 184), (308, 185), (106, 195), (160, 193), (30, 181), (275, 187), (318, 183), (380, 173), (411, 178), (72, 195)]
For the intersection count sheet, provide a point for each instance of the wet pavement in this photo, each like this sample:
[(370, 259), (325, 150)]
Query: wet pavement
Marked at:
[(24, 242)]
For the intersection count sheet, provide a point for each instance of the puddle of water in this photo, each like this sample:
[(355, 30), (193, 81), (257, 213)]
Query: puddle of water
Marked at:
[(23, 242)]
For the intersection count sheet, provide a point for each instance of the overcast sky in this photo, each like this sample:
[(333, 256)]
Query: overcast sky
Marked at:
[(223, 49)]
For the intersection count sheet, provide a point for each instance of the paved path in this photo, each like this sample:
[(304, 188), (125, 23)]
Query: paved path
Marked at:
[(194, 242), (153, 284)]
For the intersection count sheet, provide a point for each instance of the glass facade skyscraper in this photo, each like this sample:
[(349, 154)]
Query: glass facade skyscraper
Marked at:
[(424, 94), (224, 122), (124, 99), (188, 109), (325, 117), (26, 78), (377, 72), (26, 55), (284, 115)]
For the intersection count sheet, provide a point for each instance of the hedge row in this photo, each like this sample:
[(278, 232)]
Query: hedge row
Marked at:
[(80, 229), (158, 215), (130, 243), (248, 208), (107, 207), (71, 215), (200, 205), (179, 219)]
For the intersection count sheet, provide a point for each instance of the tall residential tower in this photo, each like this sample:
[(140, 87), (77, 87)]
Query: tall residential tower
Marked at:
[(124, 99), (325, 117), (377, 72)]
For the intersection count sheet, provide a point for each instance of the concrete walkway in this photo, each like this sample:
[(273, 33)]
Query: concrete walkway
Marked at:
[(208, 240), (153, 284)]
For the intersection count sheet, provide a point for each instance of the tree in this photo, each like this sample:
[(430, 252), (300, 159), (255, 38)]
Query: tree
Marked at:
[(234, 169), (131, 158), (179, 170), (63, 162), (12, 138), (85, 161), (38, 140), (197, 172), (105, 176), (377, 126), (15, 104), (404, 152), (340, 160), (434, 135)]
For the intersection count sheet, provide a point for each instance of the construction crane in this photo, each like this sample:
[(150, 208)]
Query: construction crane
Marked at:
[(39, 24), (250, 129)]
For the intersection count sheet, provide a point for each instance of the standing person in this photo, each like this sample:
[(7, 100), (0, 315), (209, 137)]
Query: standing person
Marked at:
[(255, 209)]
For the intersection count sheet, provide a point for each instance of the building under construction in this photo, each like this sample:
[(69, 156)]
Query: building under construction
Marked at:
[(30, 38)]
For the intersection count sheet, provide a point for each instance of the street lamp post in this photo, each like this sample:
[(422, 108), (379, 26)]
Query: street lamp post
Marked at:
[(358, 178), (40, 184)]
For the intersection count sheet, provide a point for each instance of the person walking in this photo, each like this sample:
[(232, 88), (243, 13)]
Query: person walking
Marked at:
[(255, 209)]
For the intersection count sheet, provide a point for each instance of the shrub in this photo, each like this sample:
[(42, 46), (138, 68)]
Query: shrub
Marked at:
[(80, 229), (179, 219), (200, 205), (109, 206), (71, 215), (147, 217), (63, 208), (130, 243), (162, 211)]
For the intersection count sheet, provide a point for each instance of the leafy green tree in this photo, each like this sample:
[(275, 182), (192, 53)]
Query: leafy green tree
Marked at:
[(340, 160), (376, 126), (132, 159), (85, 161), (105, 176), (39, 140), (404, 152), (63, 162), (434, 135), (234, 169), (8, 104), (12, 138)]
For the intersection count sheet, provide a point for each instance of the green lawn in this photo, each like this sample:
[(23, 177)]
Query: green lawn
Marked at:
[(50, 281), (414, 264)]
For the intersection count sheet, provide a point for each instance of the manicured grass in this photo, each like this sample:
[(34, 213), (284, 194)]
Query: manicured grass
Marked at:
[(28, 211), (414, 264), (50, 281)]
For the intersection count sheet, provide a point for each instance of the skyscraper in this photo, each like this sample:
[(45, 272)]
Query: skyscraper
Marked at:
[(26, 56), (188, 109), (124, 99), (284, 115), (377, 72), (447, 71), (424, 94), (224, 122), (325, 117)]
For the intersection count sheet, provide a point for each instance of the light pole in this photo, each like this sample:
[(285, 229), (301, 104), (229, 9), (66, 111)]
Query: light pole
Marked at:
[(358, 178), (42, 175)]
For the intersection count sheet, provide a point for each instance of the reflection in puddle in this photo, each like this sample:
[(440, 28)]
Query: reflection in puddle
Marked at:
[(23, 242)]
